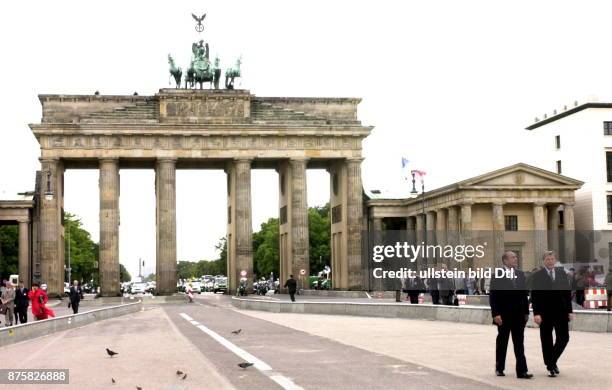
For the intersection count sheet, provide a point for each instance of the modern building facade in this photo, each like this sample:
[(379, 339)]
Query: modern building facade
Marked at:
[(577, 142)]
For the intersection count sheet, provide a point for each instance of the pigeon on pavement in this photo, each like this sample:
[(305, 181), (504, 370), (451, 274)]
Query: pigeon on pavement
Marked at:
[(244, 365), (111, 353), (236, 332)]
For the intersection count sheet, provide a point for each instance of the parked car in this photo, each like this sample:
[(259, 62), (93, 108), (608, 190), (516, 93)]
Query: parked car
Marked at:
[(220, 284), (196, 287), (138, 288)]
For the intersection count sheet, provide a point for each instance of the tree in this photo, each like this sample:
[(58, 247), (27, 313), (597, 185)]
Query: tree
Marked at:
[(266, 253), (149, 278), (266, 256), (186, 269), (124, 275), (319, 227), (83, 251), (9, 251)]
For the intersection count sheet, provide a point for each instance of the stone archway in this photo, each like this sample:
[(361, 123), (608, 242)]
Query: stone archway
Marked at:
[(226, 129)]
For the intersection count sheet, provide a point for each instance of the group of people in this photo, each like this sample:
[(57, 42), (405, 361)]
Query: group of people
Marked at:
[(442, 290), (551, 301), (14, 302)]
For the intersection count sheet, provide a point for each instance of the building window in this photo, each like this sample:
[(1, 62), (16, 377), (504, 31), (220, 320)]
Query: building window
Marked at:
[(559, 167), (558, 141), (609, 165), (609, 208), (607, 128), (511, 222)]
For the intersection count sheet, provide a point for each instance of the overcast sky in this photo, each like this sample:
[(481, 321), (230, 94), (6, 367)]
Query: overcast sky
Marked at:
[(450, 85)]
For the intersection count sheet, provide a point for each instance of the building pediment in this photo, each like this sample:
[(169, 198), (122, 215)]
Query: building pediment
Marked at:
[(520, 176)]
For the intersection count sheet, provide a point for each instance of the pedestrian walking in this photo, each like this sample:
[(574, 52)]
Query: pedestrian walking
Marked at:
[(39, 300), (552, 309), (609, 287), (21, 304), (75, 295), (291, 285), (510, 311), (189, 292), (8, 303)]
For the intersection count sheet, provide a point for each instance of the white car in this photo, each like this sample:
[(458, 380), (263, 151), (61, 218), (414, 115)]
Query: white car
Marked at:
[(139, 288), (196, 287)]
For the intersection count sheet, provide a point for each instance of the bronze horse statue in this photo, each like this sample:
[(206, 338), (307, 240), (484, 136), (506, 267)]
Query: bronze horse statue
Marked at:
[(175, 71)]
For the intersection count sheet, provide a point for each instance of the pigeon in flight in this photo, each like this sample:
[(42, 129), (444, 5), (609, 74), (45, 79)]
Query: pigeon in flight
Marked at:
[(236, 332), (245, 365), (184, 377), (111, 353), (113, 380), (179, 372)]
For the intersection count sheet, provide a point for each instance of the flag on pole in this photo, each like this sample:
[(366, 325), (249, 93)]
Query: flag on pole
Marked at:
[(405, 172), (420, 174)]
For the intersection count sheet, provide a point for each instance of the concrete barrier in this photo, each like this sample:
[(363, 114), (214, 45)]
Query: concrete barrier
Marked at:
[(146, 300), (335, 293), (584, 320), (34, 329)]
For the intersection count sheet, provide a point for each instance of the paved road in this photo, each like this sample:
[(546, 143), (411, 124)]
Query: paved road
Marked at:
[(293, 351)]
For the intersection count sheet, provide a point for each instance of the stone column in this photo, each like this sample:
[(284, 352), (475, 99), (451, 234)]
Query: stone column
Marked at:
[(377, 237), (420, 239), (165, 189), (51, 229), (430, 226), (553, 230), (109, 227), (24, 253), (243, 228), (466, 229), (499, 228), (300, 246), (452, 232), (540, 243), (569, 231), (354, 215), (441, 223)]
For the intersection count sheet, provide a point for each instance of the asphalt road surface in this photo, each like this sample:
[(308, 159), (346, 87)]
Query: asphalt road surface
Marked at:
[(294, 351)]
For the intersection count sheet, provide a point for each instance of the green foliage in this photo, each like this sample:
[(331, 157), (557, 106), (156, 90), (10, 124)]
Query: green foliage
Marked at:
[(149, 278), (266, 254), (319, 227), (124, 275), (192, 269), (83, 251), (9, 251)]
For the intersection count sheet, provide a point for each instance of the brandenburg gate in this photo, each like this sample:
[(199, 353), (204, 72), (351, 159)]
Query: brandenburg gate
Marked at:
[(226, 129)]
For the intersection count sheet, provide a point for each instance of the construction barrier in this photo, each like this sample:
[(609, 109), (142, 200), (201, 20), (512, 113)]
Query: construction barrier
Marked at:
[(461, 298), (595, 298)]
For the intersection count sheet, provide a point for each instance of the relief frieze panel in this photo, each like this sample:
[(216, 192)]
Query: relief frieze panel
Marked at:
[(196, 142)]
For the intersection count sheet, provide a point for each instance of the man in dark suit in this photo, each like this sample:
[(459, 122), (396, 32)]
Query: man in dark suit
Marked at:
[(21, 304), (551, 300), (510, 311)]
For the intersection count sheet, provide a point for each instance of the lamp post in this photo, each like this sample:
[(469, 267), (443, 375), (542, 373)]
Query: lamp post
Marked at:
[(69, 269)]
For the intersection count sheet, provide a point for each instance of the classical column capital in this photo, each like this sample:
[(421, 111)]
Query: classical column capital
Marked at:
[(354, 160), (23, 221), (539, 204), (108, 159), (166, 160), (498, 202), (569, 204)]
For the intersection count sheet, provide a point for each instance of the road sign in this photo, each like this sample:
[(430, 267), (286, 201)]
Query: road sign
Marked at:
[(243, 273), (302, 272)]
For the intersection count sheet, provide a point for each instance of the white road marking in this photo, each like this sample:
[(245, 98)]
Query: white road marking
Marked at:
[(262, 366)]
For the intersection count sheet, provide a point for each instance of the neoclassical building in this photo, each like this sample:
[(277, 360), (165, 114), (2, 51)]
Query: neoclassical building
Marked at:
[(520, 208)]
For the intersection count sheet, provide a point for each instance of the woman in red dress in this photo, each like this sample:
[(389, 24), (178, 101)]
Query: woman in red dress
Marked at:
[(39, 300)]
